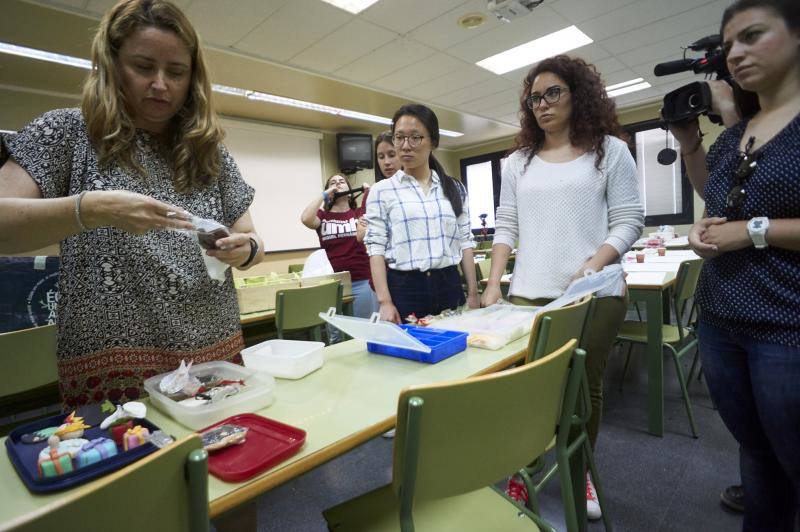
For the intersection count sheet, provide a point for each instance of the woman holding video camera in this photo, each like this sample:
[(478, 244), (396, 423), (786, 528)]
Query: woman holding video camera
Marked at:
[(339, 223), (749, 292), (106, 181)]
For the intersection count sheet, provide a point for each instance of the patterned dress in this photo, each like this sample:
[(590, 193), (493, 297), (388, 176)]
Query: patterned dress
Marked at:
[(131, 306)]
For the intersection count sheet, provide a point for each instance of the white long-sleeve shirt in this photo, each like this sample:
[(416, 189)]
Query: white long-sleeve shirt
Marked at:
[(414, 230), (562, 213)]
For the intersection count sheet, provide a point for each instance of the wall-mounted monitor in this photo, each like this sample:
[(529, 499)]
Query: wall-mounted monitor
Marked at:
[(355, 151)]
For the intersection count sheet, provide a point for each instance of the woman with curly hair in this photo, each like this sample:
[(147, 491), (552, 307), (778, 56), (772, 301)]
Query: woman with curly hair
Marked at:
[(570, 198), (106, 181)]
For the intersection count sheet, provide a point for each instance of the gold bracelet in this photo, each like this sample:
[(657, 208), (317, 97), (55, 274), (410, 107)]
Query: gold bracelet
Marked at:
[(78, 211)]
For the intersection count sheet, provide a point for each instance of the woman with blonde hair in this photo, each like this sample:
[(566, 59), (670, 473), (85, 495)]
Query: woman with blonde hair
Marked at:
[(107, 181)]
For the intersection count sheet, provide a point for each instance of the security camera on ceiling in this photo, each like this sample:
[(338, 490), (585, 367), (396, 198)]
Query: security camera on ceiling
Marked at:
[(508, 10)]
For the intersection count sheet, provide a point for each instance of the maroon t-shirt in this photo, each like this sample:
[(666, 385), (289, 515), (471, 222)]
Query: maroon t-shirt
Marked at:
[(337, 236)]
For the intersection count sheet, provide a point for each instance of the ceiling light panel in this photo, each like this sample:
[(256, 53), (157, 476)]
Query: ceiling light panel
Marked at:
[(353, 6), (630, 88), (534, 51)]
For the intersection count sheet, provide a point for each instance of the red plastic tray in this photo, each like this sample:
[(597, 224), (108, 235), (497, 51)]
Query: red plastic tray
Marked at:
[(268, 443)]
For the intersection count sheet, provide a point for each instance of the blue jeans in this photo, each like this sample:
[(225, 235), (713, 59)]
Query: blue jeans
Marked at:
[(423, 293), (756, 388), (365, 302)]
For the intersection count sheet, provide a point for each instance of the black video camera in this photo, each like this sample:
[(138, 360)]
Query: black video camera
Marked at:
[(694, 99)]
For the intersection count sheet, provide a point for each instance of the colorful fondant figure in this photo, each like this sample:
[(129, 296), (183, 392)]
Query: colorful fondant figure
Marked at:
[(56, 458), (94, 451), (72, 427), (135, 437)]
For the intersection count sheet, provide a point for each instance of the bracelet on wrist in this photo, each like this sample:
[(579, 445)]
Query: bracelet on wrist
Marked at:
[(253, 252), (696, 147), (78, 200)]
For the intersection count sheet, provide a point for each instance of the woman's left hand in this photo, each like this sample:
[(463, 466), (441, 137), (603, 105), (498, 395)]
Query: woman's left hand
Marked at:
[(727, 236), (233, 249), (473, 301)]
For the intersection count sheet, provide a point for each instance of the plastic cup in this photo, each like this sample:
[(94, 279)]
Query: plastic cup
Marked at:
[(640, 257)]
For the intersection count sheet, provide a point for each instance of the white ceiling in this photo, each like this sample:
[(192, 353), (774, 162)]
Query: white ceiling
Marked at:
[(414, 49)]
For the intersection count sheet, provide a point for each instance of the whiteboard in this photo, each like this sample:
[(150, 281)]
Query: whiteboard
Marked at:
[(284, 165)]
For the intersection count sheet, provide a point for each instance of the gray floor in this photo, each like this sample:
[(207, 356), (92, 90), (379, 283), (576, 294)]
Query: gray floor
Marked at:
[(652, 484)]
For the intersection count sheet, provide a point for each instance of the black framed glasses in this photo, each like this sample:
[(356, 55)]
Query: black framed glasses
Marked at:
[(413, 140), (551, 96), (748, 162)]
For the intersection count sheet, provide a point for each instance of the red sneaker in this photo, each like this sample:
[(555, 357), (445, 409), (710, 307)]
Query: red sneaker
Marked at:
[(516, 490), (592, 504)]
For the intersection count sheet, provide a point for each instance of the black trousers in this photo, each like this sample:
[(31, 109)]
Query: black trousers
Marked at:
[(423, 293)]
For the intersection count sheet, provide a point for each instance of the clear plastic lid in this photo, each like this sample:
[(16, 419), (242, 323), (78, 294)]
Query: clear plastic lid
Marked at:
[(374, 330)]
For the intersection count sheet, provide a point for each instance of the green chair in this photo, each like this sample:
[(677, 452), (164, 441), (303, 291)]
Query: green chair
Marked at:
[(164, 491), (296, 268), (550, 329), (28, 358), (298, 308), (452, 444), (680, 338)]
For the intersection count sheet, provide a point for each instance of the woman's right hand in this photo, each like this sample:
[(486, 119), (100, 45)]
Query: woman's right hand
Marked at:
[(707, 251), (491, 295), (131, 212), (389, 312), (329, 192)]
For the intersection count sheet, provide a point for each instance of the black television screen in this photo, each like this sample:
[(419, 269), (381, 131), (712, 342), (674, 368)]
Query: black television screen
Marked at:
[(355, 151)]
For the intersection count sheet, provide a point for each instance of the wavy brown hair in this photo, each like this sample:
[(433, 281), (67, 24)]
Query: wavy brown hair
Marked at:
[(195, 134), (594, 114)]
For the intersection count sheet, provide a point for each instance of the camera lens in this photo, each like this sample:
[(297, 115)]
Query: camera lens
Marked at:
[(694, 101)]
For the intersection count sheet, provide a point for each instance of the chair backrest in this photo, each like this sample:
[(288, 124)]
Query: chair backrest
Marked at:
[(296, 268), (553, 328), (164, 491), (299, 308), (686, 280), (460, 436), (483, 268), (484, 244), (28, 359)]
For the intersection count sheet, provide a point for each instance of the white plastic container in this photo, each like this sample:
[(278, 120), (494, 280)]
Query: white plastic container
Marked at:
[(287, 359), (258, 392)]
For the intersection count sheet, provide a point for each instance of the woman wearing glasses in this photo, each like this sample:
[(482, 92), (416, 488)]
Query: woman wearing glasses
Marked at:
[(418, 227), (748, 291), (570, 197)]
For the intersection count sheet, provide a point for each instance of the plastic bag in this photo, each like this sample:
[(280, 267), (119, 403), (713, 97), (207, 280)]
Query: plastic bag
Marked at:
[(317, 264), (207, 233), (180, 380)]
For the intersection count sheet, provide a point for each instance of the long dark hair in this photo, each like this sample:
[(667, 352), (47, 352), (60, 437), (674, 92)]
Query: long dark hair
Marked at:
[(594, 114), (351, 201), (788, 10), (431, 123), (385, 136)]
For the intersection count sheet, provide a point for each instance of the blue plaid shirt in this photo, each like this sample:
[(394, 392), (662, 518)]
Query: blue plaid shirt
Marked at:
[(414, 231)]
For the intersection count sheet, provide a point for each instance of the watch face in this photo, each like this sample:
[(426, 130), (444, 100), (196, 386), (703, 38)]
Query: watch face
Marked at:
[(757, 224)]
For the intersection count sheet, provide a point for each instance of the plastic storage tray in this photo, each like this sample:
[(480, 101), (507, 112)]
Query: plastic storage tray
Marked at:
[(268, 443), (442, 344), (257, 393), (287, 359), (405, 341), (24, 456)]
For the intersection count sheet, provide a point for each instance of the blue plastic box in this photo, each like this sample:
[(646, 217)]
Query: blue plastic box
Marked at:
[(443, 344)]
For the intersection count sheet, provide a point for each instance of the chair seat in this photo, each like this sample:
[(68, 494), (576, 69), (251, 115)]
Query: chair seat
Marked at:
[(636, 331), (480, 510)]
